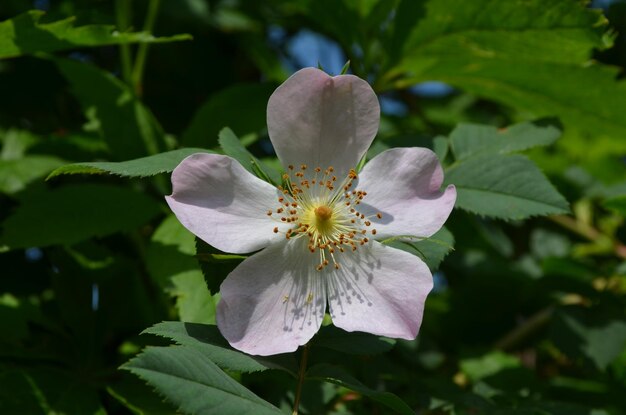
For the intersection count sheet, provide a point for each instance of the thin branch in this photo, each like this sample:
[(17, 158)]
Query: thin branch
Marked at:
[(301, 372)]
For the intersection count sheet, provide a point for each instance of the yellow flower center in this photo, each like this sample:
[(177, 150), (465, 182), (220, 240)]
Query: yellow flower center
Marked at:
[(325, 213)]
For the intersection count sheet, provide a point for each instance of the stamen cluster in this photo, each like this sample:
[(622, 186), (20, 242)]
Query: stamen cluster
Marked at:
[(323, 211)]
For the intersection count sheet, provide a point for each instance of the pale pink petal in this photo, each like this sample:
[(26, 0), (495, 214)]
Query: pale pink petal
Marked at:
[(322, 121), (223, 204), (274, 301), (403, 185), (379, 290)]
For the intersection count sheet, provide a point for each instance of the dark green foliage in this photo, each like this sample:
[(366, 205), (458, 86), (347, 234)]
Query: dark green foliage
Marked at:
[(102, 100)]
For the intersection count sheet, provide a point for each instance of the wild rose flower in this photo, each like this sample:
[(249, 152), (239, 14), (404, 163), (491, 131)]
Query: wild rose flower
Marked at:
[(316, 236)]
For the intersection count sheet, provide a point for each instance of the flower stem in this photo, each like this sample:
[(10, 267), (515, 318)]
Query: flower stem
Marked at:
[(301, 372), (142, 50), (123, 10)]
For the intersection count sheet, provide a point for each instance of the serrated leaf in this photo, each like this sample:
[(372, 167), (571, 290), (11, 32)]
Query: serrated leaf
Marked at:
[(241, 106), (187, 378), (208, 339), (141, 167), (432, 250), (24, 34), (338, 376), (504, 187), (128, 127), (472, 139), (16, 174), (534, 57), (356, 343), (231, 146), (74, 213)]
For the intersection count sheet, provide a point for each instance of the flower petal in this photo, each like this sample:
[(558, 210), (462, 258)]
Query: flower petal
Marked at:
[(223, 204), (274, 301), (403, 184), (379, 290), (322, 121)]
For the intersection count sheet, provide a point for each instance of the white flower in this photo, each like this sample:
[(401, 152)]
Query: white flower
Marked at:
[(317, 236)]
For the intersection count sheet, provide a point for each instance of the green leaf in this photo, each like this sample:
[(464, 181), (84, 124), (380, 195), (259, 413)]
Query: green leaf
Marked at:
[(241, 106), (471, 139), (338, 376), (74, 213), (356, 343), (187, 378), (596, 334), (16, 174), (135, 395), (128, 127), (617, 204), (231, 146), (535, 58), (141, 167), (24, 34), (504, 187), (170, 261), (209, 341), (47, 391), (488, 365), (215, 265), (432, 250)]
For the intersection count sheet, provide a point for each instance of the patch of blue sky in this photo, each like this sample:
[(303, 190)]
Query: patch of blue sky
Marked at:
[(432, 89), (308, 48)]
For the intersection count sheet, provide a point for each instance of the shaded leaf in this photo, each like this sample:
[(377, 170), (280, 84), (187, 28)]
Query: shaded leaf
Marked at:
[(356, 343), (187, 378), (16, 174), (141, 167), (73, 213), (128, 127), (24, 34), (617, 204), (241, 106), (338, 376), (594, 334)]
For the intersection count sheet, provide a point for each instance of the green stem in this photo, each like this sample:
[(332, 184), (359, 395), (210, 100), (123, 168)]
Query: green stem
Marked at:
[(123, 10), (301, 372), (522, 332), (588, 232), (142, 50)]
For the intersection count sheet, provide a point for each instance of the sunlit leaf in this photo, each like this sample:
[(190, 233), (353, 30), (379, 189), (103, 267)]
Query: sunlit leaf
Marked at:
[(141, 167), (504, 187), (471, 140), (188, 379), (231, 146), (24, 34), (207, 338)]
